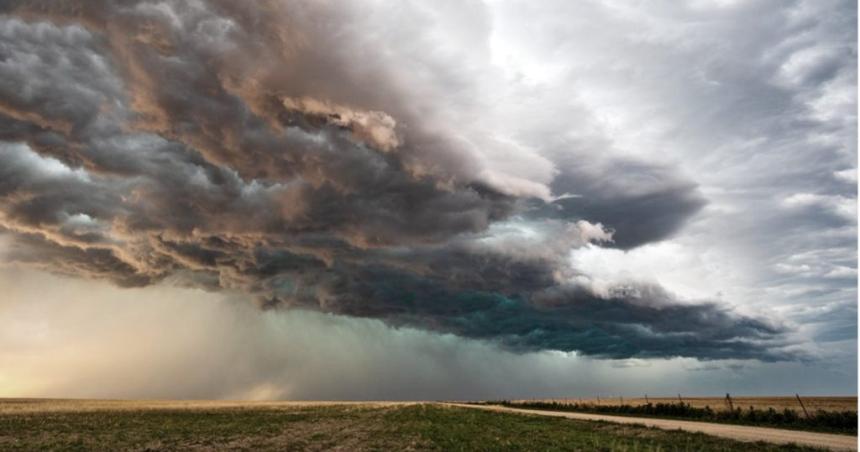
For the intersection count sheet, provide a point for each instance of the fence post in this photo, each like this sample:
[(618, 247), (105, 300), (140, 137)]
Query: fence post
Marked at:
[(680, 400), (806, 413), (729, 400)]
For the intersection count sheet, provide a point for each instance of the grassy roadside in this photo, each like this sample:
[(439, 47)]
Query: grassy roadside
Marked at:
[(413, 427), (840, 422)]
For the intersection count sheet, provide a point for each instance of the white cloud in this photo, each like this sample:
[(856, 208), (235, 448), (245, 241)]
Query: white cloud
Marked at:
[(842, 206)]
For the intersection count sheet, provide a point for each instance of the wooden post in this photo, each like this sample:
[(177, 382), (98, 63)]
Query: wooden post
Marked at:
[(680, 399), (646, 398), (806, 413), (729, 401)]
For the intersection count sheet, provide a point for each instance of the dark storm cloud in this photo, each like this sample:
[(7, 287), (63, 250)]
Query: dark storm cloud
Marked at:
[(246, 147), (636, 321), (641, 202)]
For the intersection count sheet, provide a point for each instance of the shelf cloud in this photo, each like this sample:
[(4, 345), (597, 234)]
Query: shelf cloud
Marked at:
[(291, 152)]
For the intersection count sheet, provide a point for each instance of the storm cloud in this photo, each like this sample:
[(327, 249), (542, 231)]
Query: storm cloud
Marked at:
[(285, 151)]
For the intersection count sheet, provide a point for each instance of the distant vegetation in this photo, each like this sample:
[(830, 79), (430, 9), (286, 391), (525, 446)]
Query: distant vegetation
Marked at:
[(844, 422)]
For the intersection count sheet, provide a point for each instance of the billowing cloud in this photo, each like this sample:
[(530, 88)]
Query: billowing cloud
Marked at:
[(292, 152)]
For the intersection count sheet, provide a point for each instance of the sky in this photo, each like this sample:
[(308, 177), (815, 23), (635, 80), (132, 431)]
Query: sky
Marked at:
[(380, 199)]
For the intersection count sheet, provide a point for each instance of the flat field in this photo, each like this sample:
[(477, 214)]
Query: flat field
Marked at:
[(719, 403), (27, 424)]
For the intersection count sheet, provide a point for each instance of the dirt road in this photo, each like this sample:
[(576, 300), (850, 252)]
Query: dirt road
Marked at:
[(737, 432)]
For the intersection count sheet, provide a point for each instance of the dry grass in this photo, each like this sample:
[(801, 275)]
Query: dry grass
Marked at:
[(719, 403), (22, 406)]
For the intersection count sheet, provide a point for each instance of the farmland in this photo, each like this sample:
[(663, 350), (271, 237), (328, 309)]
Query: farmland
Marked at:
[(168, 425)]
